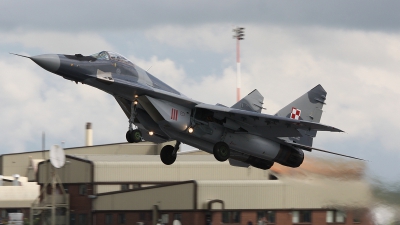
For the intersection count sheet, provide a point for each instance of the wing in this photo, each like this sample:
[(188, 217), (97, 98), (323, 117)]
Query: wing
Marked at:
[(262, 124)]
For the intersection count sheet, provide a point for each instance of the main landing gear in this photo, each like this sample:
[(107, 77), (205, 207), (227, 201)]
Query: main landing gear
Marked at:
[(221, 151), (133, 135), (168, 153)]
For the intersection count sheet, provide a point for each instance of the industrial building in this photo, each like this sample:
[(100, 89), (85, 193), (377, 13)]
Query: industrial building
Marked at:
[(128, 184)]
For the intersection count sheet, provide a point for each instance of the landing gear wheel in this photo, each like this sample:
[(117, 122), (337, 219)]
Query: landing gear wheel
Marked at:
[(134, 136), (137, 136), (129, 137), (168, 155), (221, 151)]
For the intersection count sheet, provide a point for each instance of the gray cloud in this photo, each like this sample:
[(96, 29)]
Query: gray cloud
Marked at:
[(114, 15)]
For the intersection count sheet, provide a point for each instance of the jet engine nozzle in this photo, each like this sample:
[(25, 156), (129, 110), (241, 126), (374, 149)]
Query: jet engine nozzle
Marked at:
[(49, 62), (289, 156)]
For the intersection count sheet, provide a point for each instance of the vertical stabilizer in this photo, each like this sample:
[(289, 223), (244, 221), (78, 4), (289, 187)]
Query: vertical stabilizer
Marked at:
[(308, 107), (252, 102)]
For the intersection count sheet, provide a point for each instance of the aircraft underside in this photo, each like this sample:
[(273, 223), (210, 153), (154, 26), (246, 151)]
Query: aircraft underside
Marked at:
[(199, 128)]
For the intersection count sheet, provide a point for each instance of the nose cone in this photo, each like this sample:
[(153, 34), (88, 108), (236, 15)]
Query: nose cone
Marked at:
[(50, 62)]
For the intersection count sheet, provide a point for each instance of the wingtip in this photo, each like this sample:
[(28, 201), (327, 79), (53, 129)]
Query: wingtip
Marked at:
[(341, 131), (334, 129)]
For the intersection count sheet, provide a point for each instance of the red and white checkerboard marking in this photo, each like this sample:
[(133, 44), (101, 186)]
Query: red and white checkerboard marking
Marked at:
[(295, 114)]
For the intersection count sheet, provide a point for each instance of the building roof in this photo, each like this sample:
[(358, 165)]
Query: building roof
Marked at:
[(241, 195), (286, 193), (149, 169), (99, 158), (24, 163)]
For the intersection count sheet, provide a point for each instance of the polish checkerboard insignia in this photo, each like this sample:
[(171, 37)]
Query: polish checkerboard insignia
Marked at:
[(295, 113)]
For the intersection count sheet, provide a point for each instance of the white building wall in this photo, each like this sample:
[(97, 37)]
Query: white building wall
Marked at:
[(286, 194), (107, 188), (151, 169), (18, 196)]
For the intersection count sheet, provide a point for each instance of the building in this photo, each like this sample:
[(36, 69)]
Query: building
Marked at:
[(128, 184), (19, 199), (16, 195)]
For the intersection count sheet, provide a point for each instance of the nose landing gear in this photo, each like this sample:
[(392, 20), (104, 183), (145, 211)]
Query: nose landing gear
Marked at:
[(133, 135)]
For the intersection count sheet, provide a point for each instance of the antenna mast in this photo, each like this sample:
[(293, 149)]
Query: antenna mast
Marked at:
[(238, 35)]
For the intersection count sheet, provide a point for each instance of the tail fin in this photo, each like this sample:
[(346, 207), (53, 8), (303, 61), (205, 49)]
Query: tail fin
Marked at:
[(252, 102), (309, 108)]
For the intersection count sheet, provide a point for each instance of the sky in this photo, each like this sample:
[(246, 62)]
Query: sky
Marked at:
[(351, 48)]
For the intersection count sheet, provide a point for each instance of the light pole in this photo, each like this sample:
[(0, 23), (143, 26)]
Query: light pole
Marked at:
[(238, 35)]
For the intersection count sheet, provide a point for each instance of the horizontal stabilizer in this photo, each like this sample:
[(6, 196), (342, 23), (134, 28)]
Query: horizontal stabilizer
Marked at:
[(308, 148)]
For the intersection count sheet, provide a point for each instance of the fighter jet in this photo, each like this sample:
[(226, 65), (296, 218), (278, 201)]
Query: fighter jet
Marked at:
[(158, 113)]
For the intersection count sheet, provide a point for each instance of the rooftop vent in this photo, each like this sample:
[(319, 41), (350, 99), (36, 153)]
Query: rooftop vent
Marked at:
[(89, 134)]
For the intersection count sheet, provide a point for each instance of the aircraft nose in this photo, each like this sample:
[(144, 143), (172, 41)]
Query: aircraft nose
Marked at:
[(50, 62)]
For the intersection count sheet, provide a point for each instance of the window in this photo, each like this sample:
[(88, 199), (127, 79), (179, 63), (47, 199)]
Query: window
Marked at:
[(178, 216), (301, 216), (72, 219), (335, 216), (121, 218), (136, 186), (142, 216), (108, 219), (82, 189), (231, 217), (266, 216), (164, 218), (61, 211), (329, 216), (120, 58), (101, 55), (295, 217), (82, 219), (357, 217), (340, 216), (124, 187)]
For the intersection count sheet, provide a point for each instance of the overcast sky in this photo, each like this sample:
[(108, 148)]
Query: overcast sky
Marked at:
[(351, 48)]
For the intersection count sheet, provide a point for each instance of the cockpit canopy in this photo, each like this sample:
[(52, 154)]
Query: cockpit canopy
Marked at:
[(107, 55)]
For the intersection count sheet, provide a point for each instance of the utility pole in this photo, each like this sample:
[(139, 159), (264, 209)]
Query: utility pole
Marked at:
[(238, 35)]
